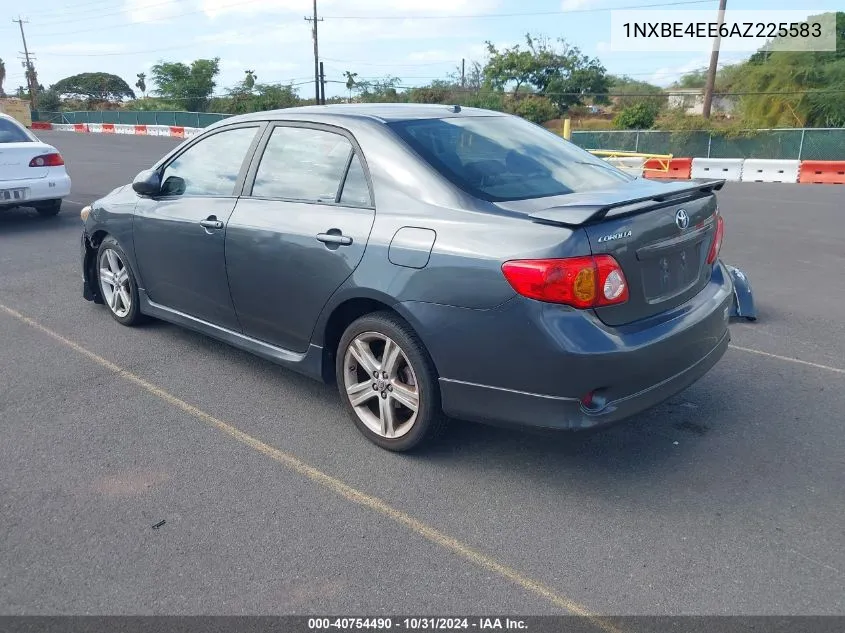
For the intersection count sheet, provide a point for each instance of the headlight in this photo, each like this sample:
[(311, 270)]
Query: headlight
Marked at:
[(84, 213)]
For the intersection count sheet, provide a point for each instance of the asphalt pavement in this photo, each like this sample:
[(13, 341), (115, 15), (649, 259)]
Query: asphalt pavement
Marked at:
[(727, 499)]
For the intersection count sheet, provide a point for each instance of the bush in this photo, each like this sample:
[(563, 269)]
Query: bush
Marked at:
[(640, 116), (534, 109)]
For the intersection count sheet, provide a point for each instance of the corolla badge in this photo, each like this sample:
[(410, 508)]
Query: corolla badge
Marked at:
[(614, 236), (682, 218)]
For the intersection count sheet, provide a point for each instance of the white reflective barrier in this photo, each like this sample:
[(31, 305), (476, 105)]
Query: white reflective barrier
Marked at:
[(631, 164), (95, 128), (123, 128), (192, 131), (724, 168), (63, 127), (158, 130), (760, 170)]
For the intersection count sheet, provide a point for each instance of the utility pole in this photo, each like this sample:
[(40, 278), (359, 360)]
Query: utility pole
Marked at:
[(30, 75), (322, 85), (314, 20), (714, 63), (463, 73)]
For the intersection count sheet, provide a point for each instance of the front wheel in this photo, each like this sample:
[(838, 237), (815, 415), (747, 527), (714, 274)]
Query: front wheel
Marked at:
[(118, 287), (388, 383)]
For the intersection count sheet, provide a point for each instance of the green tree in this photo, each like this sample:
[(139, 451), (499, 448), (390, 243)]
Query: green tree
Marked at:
[(93, 88), (190, 86), (792, 88), (49, 100), (242, 99), (560, 72), (141, 84), (694, 79), (381, 90), (626, 92), (249, 80), (350, 82), (2, 78)]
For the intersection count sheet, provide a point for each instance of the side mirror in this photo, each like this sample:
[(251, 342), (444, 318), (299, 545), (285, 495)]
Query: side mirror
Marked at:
[(147, 183)]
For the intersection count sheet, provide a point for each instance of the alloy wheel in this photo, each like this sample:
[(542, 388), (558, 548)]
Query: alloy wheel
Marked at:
[(114, 281), (381, 385)]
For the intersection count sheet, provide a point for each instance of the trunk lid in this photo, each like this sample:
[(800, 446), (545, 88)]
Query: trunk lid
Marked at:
[(14, 161), (660, 233)]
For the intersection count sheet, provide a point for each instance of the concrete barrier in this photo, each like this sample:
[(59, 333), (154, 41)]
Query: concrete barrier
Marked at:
[(630, 164), (761, 170), (822, 172), (679, 169), (727, 168)]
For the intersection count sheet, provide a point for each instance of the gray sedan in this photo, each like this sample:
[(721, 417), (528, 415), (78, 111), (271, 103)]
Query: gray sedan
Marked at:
[(433, 261)]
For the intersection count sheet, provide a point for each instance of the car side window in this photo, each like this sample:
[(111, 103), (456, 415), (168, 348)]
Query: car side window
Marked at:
[(305, 164), (210, 167), (356, 192)]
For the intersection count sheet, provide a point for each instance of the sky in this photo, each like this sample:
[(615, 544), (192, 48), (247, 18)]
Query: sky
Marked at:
[(415, 40)]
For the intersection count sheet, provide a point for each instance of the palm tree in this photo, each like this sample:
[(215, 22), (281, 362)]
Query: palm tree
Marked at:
[(2, 78), (141, 84), (249, 80), (350, 83)]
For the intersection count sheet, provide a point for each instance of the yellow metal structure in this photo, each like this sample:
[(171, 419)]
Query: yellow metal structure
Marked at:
[(18, 109), (661, 159)]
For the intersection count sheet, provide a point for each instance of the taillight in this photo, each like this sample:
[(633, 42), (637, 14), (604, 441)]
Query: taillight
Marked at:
[(47, 160), (581, 282), (716, 246)]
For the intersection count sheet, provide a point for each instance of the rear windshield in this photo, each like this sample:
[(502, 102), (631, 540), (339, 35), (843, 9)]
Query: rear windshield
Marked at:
[(501, 158), (11, 133)]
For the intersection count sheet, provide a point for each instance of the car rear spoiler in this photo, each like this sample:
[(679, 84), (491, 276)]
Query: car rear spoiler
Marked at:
[(579, 213)]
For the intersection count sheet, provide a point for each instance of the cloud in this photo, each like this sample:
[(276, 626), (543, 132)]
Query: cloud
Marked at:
[(360, 8), (665, 76), (81, 48), (603, 47), (153, 10), (574, 5)]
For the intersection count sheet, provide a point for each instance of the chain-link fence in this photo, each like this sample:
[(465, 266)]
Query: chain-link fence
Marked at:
[(794, 144), (131, 117)]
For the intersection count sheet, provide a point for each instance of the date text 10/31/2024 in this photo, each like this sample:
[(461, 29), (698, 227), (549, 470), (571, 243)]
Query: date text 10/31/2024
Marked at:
[(420, 623)]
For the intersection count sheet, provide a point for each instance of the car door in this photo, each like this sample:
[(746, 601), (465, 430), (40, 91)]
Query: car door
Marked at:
[(179, 234), (298, 231)]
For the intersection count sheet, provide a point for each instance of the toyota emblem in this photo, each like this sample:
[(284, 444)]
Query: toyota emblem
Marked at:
[(682, 219)]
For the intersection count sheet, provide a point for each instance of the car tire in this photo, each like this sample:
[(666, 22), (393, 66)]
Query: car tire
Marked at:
[(111, 259), (379, 403), (49, 208)]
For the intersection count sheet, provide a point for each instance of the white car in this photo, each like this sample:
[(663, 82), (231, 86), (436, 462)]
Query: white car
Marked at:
[(32, 173)]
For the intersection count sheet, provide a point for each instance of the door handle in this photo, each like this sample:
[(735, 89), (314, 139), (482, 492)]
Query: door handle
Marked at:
[(334, 238), (211, 223)]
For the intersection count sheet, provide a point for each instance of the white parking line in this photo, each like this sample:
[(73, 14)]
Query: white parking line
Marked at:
[(789, 359)]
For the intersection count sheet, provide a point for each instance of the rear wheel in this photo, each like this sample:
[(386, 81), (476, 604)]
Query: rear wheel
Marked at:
[(49, 208), (388, 383), (118, 287)]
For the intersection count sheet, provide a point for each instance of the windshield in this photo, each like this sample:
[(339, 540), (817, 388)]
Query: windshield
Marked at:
[(502, 158), (12, 133)]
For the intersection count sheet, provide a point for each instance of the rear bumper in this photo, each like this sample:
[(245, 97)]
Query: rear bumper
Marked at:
[(490, 404), (529, 363), (51, 187)]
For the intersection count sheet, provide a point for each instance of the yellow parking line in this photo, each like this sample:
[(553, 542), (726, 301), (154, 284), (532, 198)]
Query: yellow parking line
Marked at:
[(788, 359), (336, 485)]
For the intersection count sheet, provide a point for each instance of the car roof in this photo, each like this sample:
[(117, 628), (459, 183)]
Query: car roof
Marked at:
[(382, 112)]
